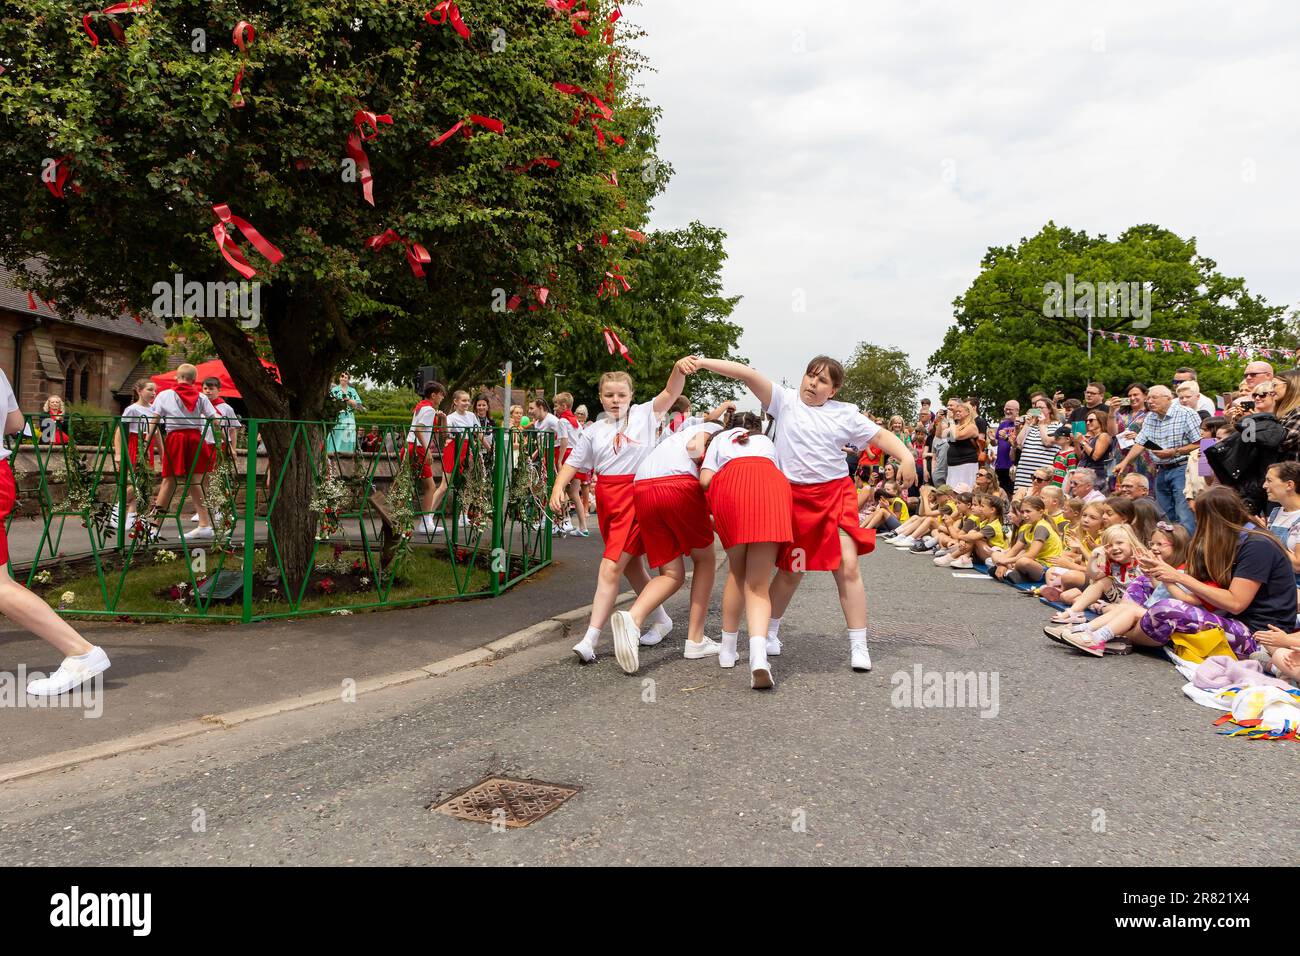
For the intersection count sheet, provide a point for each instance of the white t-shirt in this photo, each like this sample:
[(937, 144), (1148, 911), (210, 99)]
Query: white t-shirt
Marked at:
[(229, 423), (724, 448), (136, 417), (599, 453), (1205, 404), (670, 457), (176, 417), (421, 430), (810, 439), (462, 420), (8, 403), (1286, 525)]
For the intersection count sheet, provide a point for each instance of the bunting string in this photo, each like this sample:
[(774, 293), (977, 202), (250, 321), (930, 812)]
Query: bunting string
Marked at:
[(1222, 353)]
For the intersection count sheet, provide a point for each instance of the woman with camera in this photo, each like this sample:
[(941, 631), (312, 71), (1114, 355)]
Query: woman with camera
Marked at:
[(1037, 448)]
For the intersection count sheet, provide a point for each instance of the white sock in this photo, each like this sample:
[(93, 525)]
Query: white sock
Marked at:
[(757, 652), (857, 635), (593, 635), (660, 616), (1103, 634), (773, 627), (729, 641)]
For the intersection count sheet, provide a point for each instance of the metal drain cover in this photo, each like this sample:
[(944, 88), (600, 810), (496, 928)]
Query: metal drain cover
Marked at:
[(887, 631), (512, 803)]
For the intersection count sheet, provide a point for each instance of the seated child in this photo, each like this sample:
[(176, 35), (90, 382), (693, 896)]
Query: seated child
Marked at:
[(951, 529), (889, 512), (1114, 567), (1111, 629), (1054, 503), (1036, 543), (1069, 570), (935, 502), (982, 534)]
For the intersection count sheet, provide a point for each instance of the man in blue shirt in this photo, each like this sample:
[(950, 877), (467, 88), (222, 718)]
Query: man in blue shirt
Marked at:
[(1171, 432)]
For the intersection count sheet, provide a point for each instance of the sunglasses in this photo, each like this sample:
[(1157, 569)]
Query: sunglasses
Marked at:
[(1268, 394)]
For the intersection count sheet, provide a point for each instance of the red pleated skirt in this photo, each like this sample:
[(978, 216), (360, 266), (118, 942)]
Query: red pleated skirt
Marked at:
[(821, 512), (616, 513), (751, 502), (182, 449), (8, 496), (133, 449), (673, 516)]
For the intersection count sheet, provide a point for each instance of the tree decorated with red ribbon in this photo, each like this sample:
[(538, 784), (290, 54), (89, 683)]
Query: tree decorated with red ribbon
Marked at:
[(160, 157)]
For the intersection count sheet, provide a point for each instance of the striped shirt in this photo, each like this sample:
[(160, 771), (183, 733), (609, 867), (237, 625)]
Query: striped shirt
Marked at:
[(1033, 455), (1062, 464), (1180, 426)]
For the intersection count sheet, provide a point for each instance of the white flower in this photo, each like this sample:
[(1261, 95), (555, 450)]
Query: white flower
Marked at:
[(342, 612), (67, 597)]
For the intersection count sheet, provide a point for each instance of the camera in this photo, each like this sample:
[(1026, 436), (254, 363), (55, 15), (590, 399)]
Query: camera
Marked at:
[(1247, 403)]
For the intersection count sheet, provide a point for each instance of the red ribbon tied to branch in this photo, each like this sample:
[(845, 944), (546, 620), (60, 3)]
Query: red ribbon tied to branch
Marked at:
[(615, 344), (575, 16), (230, 250), (61, 174), (578, 114), (360, 120), (539, 290), (131, 6), (450, 12), (608, 286), (547, 161), (243, 36), (466, 128), (416, 255)]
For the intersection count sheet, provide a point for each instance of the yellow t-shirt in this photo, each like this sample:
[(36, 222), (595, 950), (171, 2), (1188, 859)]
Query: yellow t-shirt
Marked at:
[(1051, 541), (899, 507), (999, 539), (1061, 522)]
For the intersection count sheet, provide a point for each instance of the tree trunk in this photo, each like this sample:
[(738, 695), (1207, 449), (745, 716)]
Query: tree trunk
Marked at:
[(306, 360)]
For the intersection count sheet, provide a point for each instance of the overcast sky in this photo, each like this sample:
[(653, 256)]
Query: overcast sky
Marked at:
[(869, 155)]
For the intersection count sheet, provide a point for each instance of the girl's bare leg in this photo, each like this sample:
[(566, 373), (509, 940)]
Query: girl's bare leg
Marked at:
[(704, 565), (31, 613), (658, 589)]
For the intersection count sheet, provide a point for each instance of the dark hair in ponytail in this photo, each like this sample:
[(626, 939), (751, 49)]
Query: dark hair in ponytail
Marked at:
[(746, 420)]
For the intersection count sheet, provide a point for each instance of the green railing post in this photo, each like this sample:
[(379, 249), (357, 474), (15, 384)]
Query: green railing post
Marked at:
[(124, 463), (499, 555), (249, 514)]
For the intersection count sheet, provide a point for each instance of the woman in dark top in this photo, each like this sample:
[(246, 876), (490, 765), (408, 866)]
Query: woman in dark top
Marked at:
[(1240, 576), (1094, 446)]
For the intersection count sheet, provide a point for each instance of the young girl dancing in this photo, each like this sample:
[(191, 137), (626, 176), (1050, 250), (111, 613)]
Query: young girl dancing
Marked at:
[(752, 508), (674, 520), (612, 449), (811, 432)]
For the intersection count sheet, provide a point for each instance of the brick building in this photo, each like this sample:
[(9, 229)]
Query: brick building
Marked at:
[(82, 358)]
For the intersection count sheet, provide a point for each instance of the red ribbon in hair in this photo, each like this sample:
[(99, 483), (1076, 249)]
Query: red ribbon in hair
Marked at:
[(131, 6), (416, 255), (357, 153), (450, 12), (615, 344), (243, 35), (229, 249), (466, 128)]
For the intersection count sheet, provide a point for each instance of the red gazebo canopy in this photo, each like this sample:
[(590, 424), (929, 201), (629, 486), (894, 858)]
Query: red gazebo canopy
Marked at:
[(215, 368)]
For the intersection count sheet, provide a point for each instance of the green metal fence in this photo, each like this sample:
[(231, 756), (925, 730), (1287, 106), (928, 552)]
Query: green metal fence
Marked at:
[(85, 530)]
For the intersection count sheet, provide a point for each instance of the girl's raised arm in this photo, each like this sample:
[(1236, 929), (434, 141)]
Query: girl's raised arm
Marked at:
[(676, 382), (756, 382)]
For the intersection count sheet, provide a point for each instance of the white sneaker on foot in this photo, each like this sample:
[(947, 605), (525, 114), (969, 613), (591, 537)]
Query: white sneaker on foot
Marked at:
[(965, 562), (656, 632), (200, 534), (859, 656), (902, 542), (73, 672), (727, 653), (773, 647), (943, 561), (760, 671), (705, 647), (586, 651), (627, 639)]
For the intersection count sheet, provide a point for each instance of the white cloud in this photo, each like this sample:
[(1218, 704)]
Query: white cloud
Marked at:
[(874, 168)]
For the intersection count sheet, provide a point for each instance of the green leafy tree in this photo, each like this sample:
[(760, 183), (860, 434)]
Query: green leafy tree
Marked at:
[(676, 307), (1011, 335), (147, 142), (881, 381)]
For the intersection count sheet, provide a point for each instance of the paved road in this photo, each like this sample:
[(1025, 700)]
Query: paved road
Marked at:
[(1086, 761)]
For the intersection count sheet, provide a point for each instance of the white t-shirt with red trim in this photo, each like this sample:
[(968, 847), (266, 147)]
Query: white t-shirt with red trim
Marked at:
[(176, 417), (671, 457), (810, 439), (725, 448), (608, 449)]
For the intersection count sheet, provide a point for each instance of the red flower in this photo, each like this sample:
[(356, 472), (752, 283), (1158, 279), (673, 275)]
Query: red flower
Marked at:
[(326, 586)]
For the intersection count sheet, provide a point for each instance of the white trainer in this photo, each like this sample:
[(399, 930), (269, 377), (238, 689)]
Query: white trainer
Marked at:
[(943, 560), (859, 656), (902, 542), (200, 534), (965, 562), (697, 650), (627, 638), (773, 647), (760, 671), (585, 650), (727, 653), (73, 672), (656, 632)]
